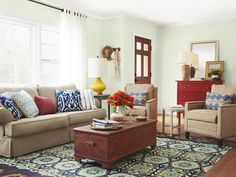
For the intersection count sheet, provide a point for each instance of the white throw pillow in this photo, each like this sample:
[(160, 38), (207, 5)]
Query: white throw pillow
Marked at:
[(87, 99)]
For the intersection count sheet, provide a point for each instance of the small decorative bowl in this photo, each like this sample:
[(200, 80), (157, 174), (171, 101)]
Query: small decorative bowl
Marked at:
[(117, 116)]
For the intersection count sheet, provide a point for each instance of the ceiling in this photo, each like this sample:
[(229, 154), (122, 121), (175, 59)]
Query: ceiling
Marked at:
[(162, 12)]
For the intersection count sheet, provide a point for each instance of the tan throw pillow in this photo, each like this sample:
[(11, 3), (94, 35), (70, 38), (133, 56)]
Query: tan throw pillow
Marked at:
[(5, 115), (25, 103)]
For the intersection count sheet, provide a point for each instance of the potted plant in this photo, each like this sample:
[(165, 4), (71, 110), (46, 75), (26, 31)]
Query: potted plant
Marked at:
[(215, 74), (119, 101)]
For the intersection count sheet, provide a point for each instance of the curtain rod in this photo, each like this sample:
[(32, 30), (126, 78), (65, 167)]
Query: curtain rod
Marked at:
[(47, 5)]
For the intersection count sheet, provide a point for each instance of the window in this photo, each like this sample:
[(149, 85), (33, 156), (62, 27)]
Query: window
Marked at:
[(49, 42), (16, 52), (29, 53)]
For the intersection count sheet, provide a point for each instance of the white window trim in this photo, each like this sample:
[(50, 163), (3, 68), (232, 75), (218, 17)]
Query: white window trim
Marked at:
[(34, 49)]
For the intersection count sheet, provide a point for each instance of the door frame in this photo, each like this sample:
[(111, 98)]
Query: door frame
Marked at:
[(134, 62)]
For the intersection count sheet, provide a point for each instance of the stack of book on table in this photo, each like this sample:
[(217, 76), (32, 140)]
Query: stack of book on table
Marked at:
[(105, 124)]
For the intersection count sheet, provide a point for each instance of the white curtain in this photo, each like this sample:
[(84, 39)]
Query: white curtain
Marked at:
[(73, 60)]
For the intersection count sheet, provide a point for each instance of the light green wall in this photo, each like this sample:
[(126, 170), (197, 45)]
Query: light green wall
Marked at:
[(26, 10), (172, 40), (119, 32)]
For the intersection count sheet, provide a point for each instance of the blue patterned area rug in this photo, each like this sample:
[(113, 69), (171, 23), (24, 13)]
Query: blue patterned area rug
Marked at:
[(170, 158)]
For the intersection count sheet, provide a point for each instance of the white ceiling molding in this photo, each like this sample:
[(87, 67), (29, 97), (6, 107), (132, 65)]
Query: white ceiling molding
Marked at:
[(161, 12)]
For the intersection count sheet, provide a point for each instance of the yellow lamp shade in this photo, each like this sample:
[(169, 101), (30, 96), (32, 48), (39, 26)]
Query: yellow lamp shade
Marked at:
[(98, 86)]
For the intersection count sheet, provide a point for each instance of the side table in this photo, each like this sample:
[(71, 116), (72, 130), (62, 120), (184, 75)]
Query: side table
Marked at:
[(103, 97), (178, 109)]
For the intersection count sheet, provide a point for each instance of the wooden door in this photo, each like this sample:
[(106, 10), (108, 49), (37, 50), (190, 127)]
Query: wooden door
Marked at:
[(142, 62)]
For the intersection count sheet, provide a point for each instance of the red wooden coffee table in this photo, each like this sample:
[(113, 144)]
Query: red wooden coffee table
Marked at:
[(106, 147)]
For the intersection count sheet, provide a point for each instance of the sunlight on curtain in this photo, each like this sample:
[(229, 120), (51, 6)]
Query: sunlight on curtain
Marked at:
[(73, 61)]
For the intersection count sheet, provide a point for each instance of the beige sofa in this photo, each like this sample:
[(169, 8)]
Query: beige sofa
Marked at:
[(219, 123), (150, 109), (31, 134)]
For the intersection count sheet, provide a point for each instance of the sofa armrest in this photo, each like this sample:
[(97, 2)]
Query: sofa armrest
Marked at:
[(5, 116), (194, 105), (226, 121), (151, 107), (150, 101)]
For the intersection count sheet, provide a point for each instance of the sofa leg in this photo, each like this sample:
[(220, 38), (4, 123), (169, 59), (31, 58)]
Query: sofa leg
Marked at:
[(187, 135), (220, 142)]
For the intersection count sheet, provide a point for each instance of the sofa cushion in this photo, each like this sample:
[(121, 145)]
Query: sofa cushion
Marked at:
[(138, 111), (214, 100), (31, 91), (25, 103), (51, 91), (84, 116), (68, 101), (45, 105), (149, 88), (203, 115), (39, 124)]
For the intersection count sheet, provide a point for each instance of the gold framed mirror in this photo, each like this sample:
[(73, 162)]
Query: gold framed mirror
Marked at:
[(207, 51)]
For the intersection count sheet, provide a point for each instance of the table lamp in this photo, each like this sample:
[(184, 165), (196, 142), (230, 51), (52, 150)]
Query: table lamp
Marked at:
[(97, 69), (189, 61), (194, 61), (183, 58)]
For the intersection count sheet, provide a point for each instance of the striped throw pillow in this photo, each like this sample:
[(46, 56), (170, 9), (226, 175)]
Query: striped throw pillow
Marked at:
[(213, 100)]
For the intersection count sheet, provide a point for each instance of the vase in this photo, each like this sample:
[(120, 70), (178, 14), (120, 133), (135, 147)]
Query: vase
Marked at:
[(121, 110)]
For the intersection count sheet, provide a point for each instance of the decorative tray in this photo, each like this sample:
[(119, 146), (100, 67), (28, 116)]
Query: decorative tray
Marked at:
[(117, 127)]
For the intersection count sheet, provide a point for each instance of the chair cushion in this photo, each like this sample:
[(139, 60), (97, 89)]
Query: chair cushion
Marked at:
[(51, 91), (138, 111), (204, 115), (85, 116), (214, 100), (25, 103), (225, 90), (31, 91), (45, 105), (140, 98), (68, 101), (149, 88), (38, 124)]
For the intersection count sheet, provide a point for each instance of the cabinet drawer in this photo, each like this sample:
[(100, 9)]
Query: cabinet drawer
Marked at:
[(194, 87), (188, 96), (90, 146)]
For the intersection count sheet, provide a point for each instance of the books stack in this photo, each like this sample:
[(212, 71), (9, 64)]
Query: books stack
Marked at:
[(105, 124)]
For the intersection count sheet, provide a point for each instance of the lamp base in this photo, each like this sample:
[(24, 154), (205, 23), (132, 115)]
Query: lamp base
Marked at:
[(98, 86), (186, 72)]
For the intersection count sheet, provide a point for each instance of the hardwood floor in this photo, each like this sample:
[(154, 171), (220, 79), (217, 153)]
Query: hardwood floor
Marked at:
[(226, 167)]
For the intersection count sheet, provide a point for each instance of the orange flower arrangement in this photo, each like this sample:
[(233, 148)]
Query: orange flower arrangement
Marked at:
[(120, 98)]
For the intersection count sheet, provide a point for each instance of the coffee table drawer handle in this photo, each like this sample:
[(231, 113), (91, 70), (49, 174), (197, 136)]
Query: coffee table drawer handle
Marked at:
[(90, 143)]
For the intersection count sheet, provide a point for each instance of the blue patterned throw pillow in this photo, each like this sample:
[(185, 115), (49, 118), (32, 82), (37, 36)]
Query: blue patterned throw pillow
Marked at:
[(140, 98), (213, 100), (11, 106), (68, 101)]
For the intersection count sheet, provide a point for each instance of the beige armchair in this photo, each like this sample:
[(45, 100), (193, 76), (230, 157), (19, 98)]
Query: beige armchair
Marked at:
[(219, 123), (150, 109)]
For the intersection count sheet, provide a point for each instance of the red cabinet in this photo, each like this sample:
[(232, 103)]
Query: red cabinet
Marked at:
[(193, 90)]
